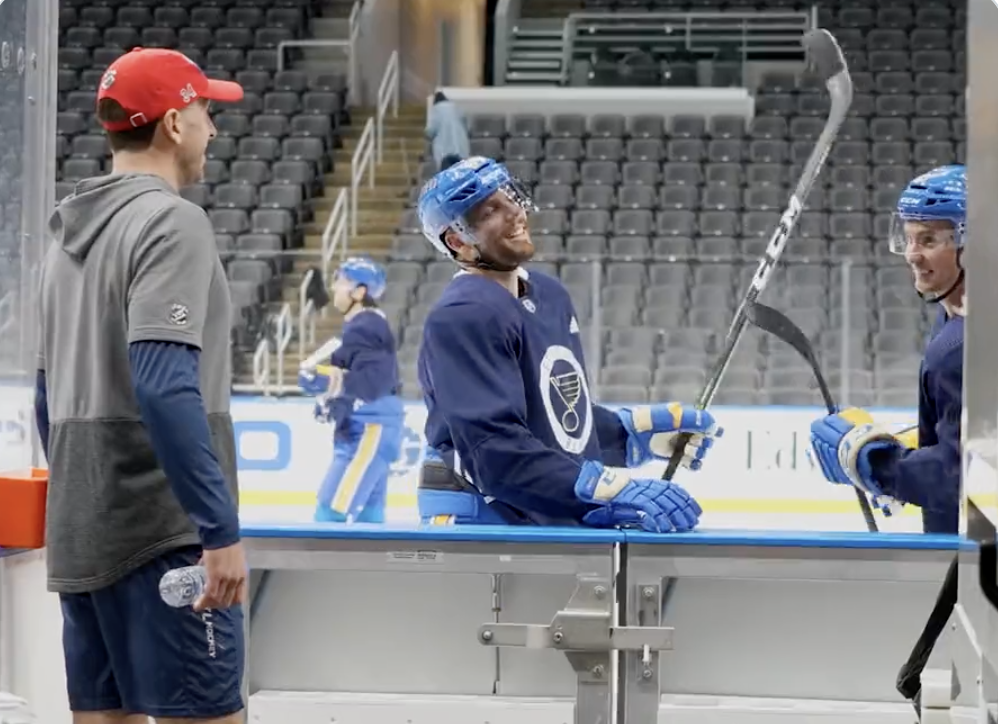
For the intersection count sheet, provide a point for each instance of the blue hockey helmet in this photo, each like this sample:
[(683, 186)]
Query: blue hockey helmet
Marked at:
[(446, 199), (362, 271), (937, 195)]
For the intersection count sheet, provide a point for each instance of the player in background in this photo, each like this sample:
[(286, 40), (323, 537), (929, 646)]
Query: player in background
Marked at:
[(518, 440), (929, 230), (851, 449), (356, 382), (132, 407)]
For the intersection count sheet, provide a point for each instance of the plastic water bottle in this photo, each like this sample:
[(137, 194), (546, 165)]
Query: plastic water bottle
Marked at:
[(183, 586)]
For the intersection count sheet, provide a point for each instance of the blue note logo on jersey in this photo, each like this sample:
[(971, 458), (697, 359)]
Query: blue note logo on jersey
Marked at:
[(565, 393)]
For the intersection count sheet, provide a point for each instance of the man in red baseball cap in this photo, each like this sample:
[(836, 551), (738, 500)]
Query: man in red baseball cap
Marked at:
[(132, 406), (155, 101)]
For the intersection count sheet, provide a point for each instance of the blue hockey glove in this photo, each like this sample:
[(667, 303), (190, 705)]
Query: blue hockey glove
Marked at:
[(652, 432), (322, 412), (312, 382), (653, 505), (841, 445)]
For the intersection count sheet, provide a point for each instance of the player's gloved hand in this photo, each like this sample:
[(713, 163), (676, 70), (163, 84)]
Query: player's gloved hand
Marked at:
[(312, 382), (322, 412), (842, 443), (652, 432), (657, 506)]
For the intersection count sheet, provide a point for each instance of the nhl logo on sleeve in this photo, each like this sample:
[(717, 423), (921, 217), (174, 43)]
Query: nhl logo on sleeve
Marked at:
[(179, 315)]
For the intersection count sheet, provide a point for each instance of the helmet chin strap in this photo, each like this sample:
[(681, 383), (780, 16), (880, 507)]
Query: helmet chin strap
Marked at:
[(941, 297), (953, 287), (480, 262)]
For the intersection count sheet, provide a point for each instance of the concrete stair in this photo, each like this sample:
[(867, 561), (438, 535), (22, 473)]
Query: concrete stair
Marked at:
[(536, 52), (378, 212)]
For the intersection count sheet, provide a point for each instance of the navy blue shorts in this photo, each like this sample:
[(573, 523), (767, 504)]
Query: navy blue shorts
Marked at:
[(127, 650)]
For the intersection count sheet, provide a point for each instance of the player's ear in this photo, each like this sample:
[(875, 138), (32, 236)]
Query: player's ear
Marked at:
[(456, 244), (170, 125)]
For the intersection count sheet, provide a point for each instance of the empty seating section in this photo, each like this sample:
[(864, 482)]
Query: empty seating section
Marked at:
[(602, 45), (272, 149), (679, 210)]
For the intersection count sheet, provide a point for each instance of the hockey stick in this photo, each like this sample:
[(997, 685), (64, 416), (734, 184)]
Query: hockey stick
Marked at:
[(780, 326), (827, 59)]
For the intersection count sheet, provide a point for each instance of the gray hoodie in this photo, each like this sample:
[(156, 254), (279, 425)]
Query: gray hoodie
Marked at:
[(131, 261)]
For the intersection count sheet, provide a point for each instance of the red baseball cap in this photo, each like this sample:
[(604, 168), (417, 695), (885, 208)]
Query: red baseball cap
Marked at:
[(148, 82)]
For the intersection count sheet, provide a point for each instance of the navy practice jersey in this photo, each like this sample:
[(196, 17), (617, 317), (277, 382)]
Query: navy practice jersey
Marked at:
[(367, 353), (929, 477), (507, 395)]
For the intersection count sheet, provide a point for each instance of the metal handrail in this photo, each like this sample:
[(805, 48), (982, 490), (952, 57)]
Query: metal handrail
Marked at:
[(261, 366), (361, 162), (283, 333), (388, 94), (306, 315), (334, 236)]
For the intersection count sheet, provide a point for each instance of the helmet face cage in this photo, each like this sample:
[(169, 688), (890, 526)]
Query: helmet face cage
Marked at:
[(898, 238), (515, 190)]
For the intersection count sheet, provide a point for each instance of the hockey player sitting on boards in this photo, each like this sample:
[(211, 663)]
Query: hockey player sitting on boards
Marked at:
[(930, 231), (506, 390)]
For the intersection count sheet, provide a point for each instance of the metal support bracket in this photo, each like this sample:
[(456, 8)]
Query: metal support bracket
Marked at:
[(584, 630)]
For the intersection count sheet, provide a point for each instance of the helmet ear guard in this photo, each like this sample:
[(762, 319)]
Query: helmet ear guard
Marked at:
[(362, 271)]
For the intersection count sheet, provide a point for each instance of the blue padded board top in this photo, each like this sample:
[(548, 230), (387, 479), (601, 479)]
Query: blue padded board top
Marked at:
[(488, 533), (518, 534)]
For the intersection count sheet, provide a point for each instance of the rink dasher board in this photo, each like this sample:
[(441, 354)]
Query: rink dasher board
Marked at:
[(379, 625)]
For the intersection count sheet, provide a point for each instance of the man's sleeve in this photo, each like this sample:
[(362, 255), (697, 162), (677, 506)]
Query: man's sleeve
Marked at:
[(470, 360), (612, 436), (351, 343), (348, 356), (167, 305), (170, 277), (42, 410), (929, 477)]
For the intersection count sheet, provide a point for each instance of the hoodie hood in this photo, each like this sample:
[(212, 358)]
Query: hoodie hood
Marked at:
[(79, 220)]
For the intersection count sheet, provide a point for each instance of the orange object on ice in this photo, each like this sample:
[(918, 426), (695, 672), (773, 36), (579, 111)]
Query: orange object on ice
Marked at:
[(22, 508)]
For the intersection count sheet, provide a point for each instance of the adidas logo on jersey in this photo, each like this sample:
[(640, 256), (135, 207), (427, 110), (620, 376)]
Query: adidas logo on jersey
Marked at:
[(573, 326)]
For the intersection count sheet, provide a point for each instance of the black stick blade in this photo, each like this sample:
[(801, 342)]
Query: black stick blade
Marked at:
[(780, 326), (824, 53)]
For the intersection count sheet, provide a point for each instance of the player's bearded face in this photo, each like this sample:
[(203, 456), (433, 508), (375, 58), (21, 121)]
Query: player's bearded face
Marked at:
[(931, 253), (501, 231)]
